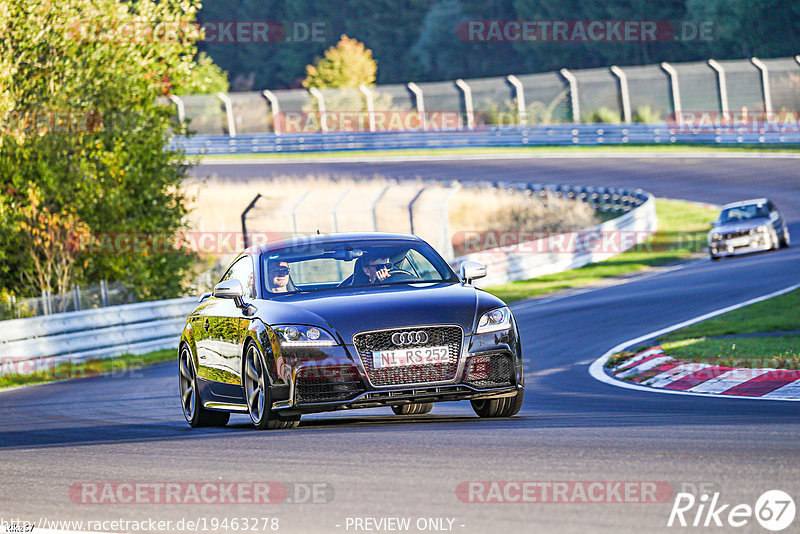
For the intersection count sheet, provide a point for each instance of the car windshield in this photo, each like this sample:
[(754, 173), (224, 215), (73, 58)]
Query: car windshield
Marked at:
[(315, 266), (743, 213)]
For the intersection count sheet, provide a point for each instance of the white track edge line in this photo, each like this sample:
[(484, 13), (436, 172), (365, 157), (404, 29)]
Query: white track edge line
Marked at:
[(597, 371)]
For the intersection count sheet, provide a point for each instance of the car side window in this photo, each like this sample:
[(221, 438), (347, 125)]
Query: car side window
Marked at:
[(242, 270)]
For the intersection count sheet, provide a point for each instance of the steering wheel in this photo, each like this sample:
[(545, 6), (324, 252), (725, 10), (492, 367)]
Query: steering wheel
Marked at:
[(401, 274)]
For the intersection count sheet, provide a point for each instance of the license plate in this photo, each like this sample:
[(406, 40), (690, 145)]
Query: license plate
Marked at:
[(739, 241), (408, 357)]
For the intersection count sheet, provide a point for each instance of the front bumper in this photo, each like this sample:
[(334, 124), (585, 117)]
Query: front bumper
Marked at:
[(739, 245), (486, 366), (396, 397)]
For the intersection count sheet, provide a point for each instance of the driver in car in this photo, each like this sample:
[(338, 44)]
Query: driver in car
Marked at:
[(278, 276), (376, 268)]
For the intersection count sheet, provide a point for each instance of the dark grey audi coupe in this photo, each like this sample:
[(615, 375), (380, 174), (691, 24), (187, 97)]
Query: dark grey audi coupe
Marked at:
[(344, 321)]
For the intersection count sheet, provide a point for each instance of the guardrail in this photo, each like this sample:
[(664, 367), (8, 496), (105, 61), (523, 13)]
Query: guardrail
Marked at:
[(570, 250), (27, 345), (509, 136), (40, 342)]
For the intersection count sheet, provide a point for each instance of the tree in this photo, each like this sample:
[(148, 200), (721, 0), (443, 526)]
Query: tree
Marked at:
[(85, 123), (348, 64), (51, 245), (206, 78)]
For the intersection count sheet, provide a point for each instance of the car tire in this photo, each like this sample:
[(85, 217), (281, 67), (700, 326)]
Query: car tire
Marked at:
[(257, 393), (413, 409), (714, 258), (192, 404), (503, 407), (785, 238)]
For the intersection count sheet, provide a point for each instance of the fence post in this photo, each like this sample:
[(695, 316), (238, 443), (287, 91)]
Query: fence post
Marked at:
[(104, 293), (275, 109), (228, 113), (419, 103), (573, 94), (765, 91), (375, 208), (519, 94), (674, 89), (294, 211), (466, 95), (46, 302), (244, 219), (445, 243), (76, 297), (623, 93), (370, 105), (316, 93), (723, 86), (336, 208), (411, 209), (181, 108)]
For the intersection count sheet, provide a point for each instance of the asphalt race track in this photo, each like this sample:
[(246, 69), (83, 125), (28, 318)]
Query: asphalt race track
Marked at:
[(572, 428)]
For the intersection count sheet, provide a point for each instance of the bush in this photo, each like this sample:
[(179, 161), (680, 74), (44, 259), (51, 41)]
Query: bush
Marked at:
[(647, 114), (603, 115)]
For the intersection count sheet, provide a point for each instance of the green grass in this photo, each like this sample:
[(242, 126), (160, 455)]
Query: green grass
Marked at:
[(682, 232), (643, 148), (700, 342), (779, 314), (781, 352), (91, 367)]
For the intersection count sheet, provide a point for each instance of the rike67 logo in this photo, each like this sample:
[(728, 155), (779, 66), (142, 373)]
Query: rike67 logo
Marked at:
[(774, 510)]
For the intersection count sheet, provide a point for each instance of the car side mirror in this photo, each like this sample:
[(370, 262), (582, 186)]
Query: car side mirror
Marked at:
[(472, 270), (713, 224), (229, 289), (232, 289)]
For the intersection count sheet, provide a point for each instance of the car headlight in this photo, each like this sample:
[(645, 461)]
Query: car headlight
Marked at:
[(304, 336), (494, 321), (761, 229), (715, 237)]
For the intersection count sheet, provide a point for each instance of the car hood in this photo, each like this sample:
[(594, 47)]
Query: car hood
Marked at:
[(352, 310), (740, 226)]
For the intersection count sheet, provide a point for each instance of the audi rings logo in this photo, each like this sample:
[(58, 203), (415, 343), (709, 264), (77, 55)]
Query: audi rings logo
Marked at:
[(417, 337)]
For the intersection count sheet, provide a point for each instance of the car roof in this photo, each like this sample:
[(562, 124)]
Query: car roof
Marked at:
[(745, 203), (329, 238)]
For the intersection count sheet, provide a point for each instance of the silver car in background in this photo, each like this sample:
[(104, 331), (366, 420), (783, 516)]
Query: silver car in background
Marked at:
[(747, 226)]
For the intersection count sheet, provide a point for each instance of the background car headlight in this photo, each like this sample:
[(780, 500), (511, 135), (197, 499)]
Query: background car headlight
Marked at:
[(494, 321), (304, 336)]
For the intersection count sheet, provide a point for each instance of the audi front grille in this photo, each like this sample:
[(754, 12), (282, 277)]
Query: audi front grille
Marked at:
[(449, 336)]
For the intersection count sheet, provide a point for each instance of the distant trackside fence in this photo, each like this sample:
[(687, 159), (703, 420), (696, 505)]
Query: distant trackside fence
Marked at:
[(733, 101)]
